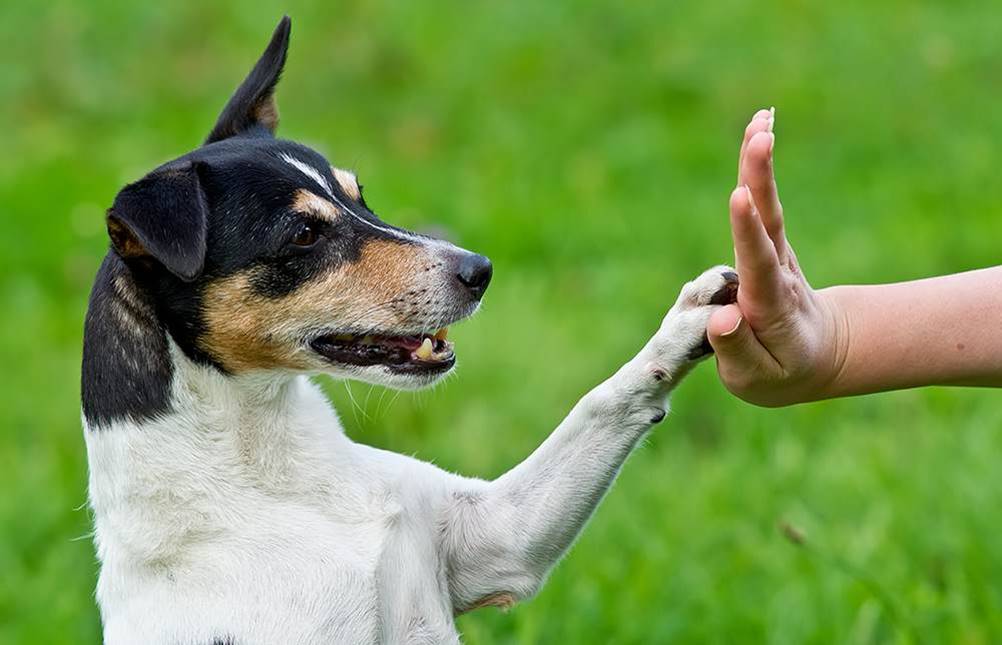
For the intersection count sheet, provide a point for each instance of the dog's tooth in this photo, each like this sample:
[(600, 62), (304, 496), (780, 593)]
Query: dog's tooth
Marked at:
[(442, 333), (424, 351)]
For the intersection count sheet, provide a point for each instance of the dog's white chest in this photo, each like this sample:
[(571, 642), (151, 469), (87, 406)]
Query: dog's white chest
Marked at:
[(287, 575), (204, 540)]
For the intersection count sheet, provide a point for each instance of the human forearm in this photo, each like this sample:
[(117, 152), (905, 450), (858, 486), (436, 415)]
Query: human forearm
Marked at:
[(939, 331)]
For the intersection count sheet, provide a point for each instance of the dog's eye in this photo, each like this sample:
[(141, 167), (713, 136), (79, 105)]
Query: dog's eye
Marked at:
[(306, 236)]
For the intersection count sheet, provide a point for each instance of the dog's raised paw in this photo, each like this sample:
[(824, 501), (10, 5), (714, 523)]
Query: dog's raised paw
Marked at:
[(724, 294), (685, 325), (716, 286)]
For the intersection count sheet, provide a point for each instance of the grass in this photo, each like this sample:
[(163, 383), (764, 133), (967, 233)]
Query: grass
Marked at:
[(589, 149)]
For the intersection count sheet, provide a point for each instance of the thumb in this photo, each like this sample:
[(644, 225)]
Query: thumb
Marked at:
[(734, 342)]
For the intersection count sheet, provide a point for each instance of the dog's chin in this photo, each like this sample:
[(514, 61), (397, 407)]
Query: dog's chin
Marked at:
[(381, 375), (401, 381)]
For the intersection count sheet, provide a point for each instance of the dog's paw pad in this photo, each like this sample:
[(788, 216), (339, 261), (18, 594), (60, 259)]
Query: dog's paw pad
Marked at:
[(716, 286), (727, 294)]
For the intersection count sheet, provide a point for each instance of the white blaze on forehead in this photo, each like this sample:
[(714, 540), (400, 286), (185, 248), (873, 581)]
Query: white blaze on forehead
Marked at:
[(309, 171), (348, 182), (316, 176)]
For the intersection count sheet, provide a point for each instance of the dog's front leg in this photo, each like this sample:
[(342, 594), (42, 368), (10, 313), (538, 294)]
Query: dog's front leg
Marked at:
[(502, 537)]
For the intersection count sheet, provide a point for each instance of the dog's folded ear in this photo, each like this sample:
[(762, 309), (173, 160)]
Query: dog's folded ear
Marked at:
[(252, 106), (163, 217)]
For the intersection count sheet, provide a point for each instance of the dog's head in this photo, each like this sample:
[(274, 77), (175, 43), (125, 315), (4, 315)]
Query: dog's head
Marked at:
[(259, 255)]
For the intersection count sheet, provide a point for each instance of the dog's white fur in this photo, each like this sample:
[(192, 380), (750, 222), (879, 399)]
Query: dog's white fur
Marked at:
[(247, 514)]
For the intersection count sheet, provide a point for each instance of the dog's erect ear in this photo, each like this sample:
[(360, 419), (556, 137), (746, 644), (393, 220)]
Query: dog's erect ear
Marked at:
[(163, 216), (253, 104)]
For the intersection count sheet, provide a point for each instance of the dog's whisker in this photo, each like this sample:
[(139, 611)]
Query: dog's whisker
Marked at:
[(379, 404), (356, 408), (368, 393)]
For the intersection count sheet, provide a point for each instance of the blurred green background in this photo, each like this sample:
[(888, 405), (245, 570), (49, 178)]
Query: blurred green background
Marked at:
[(589, 150)]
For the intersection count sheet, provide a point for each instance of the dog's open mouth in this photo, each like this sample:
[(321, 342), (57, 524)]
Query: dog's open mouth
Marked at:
[(416, 354)]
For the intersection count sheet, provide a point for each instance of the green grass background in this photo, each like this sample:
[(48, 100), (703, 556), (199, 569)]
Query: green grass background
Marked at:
[(588, 149)]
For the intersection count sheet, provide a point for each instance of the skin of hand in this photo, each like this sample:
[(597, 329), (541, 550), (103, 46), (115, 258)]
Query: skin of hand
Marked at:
[(784, 342)]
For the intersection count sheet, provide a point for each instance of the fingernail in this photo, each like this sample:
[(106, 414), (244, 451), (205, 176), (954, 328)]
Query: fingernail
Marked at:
[(772, 119), (734, 329)]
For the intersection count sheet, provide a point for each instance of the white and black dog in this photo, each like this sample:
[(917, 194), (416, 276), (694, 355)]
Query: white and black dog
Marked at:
[(230, 508)]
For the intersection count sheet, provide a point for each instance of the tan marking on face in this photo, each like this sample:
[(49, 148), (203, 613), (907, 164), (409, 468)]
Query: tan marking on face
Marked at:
[(347, 181), (311, 203), (248, 331)]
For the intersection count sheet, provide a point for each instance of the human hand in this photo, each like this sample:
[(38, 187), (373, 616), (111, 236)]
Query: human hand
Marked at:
[(782, 342)]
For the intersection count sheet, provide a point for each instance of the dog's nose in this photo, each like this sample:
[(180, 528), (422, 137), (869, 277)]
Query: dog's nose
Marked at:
[(475, 273)]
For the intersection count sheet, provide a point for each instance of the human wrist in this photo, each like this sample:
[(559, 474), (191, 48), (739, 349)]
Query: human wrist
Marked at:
[(834, 368)]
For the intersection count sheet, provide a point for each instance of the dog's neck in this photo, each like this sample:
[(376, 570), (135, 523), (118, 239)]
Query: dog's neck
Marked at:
[(249, 400)]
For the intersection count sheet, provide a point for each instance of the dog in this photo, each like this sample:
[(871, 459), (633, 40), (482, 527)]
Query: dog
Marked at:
[(229, 507)]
